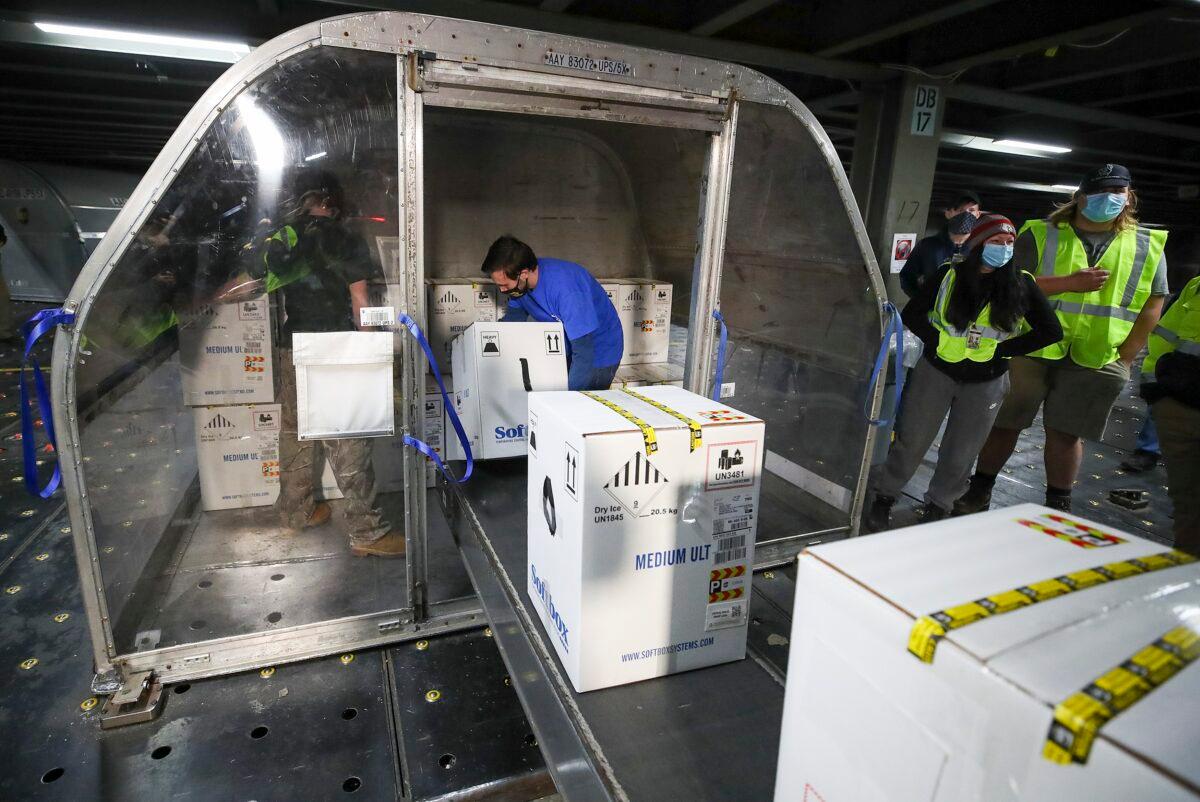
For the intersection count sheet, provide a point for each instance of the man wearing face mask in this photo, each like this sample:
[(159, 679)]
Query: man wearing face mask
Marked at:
[(548, 290), (934, 251), (1106, 278)]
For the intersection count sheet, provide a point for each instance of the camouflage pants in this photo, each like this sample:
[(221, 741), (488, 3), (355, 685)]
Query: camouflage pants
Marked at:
[(300, 463)]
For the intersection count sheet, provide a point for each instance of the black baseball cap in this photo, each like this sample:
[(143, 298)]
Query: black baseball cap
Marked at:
[(1106, 176), (963, 197)]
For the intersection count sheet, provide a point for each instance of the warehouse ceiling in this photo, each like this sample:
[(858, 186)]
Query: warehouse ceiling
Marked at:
[(1111, 81)]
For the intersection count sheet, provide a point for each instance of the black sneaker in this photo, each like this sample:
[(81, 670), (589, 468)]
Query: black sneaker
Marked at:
[(931, 512), (879, 516), (1139, 461), (977, 499)]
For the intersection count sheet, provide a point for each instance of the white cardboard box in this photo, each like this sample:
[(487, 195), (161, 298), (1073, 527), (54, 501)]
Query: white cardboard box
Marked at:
[(640, 566), (644, 308), (496, 365), (648, 375), (225, 354), (453, 305), (237, 448), (866, 720), (389, 451)]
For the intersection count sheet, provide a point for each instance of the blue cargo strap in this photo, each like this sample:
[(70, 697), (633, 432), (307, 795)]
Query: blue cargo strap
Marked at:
[(721, 345), (420, 446), (32, 331), (893, 329)]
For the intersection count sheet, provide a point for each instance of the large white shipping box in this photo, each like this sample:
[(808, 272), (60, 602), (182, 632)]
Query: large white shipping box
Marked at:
[(496, 366), (225, 354), (644, 308), (640, 556), (455, 303), (237, 448), (1049, 623)]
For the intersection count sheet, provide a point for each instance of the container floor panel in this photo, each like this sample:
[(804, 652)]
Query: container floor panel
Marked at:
[(459, 719), (240, 572), (239, 737)]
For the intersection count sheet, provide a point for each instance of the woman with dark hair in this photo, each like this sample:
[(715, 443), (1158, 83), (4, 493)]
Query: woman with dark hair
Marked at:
[(972, 317)]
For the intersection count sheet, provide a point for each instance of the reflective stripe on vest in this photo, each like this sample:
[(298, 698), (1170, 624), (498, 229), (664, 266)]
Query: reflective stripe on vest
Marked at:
[(954, 344), (1178, 330), (1096, 323)]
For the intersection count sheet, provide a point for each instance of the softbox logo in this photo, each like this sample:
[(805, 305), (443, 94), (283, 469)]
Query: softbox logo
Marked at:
[(636, 484)]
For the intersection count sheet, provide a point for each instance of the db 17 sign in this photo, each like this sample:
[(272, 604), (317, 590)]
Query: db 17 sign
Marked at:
[(925, 104)]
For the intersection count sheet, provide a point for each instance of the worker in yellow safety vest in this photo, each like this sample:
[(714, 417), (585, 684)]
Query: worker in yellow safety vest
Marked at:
[(1171, 384), (1106, 277)]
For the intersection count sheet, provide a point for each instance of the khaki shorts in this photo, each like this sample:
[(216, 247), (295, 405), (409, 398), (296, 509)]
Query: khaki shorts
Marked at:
[(1077, 399)]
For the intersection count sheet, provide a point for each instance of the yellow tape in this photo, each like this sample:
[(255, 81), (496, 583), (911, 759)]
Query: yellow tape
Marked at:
[(1079, 717), (929, 629), (694, 431), (646, 429)]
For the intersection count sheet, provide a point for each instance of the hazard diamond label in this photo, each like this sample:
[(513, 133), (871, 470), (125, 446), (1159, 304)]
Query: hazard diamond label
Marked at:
[(636, 484)]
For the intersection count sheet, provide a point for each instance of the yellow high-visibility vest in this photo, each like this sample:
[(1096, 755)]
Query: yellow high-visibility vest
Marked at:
[(1178, 330), (977, 342), (1096, 323)]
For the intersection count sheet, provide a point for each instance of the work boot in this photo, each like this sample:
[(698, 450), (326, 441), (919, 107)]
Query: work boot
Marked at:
[(390, 545), (931, 512), (879, 516), (321, 513), (977, 498), (1139, 461)]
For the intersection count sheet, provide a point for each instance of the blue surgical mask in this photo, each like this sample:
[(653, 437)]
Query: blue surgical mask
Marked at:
[(997, 255), (1104, 206)]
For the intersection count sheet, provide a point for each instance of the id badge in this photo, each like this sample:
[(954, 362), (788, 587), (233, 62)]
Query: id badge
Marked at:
[(974, 334)]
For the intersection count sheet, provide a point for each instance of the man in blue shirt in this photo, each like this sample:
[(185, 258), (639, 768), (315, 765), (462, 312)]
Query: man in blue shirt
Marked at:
[(548, 290)]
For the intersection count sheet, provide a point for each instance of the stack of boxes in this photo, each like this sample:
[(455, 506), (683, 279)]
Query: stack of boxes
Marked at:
[(644, 309), (228, 377)]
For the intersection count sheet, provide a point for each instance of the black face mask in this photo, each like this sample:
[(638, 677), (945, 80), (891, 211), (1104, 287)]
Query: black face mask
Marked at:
[(518, 290), (961, 223)]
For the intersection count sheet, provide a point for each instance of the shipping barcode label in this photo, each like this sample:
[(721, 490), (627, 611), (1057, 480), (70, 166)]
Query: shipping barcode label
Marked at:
[(722, 526), (730, 548), (376, 315), (724, 615)]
